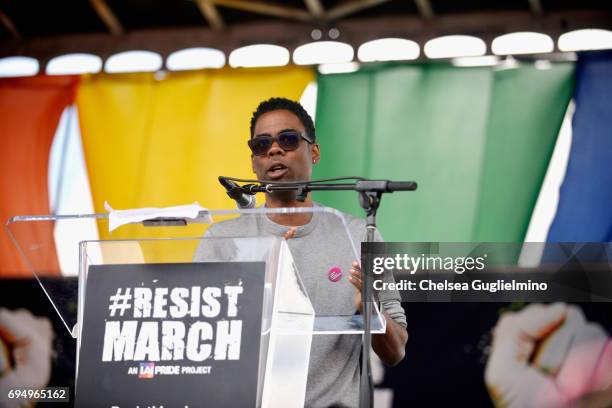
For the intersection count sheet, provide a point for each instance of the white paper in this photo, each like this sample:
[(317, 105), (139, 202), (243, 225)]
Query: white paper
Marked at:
[(117, 218)]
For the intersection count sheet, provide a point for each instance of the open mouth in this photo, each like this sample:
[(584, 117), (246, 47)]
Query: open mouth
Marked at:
[(277, 171)]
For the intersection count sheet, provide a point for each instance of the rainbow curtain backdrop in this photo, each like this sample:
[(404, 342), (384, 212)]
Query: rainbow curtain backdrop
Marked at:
[(477, 140)]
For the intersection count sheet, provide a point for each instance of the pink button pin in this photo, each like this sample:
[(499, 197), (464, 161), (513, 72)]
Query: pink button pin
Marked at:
[(334, 274)]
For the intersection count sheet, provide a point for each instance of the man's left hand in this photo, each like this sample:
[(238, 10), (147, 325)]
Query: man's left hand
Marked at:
[(390, 346), (355, 279)]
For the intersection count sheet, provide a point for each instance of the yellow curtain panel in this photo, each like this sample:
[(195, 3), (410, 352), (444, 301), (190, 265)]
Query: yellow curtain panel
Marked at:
[(152, 141)]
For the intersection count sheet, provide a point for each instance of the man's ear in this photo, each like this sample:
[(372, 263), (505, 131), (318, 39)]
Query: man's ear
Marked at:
[(316, 153)]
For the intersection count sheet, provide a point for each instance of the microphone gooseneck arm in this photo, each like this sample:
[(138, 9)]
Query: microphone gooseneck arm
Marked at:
[(302, 188)]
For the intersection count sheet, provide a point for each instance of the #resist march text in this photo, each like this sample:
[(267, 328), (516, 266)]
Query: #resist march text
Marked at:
[(164, 335)]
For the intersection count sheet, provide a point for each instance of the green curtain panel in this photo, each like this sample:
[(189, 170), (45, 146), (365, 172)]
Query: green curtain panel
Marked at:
[(477, 140)]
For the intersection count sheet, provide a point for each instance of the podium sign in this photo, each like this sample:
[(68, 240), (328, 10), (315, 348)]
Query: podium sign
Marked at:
[(171, 335)]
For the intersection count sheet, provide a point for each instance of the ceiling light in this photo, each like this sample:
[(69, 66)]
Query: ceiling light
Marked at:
[(73, 64), (259, 55), (587, 39), (453, 46), (195, 58), (522, 43), (388, 49), (323, 52), (18, 67), (133, 61)]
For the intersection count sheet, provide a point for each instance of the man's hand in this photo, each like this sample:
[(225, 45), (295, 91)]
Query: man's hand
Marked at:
[(290, 233), (355, 279), (391, 345)]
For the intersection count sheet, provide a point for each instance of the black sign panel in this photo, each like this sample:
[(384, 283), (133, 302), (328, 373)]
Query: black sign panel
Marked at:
[(172, 335)]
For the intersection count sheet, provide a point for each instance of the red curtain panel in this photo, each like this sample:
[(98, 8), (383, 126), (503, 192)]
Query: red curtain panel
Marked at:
[(30, 109)]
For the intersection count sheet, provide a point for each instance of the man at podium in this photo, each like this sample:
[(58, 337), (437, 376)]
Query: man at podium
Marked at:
[(284, 148)]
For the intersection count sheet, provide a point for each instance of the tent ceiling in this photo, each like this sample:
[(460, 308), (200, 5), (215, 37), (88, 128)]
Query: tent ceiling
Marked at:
[(46, 28)]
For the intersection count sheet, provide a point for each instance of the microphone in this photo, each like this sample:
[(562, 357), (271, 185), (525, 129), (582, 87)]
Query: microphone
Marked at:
[(237, 193)]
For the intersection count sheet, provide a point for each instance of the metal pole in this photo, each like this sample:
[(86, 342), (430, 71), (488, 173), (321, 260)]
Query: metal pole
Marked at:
[(366, 386)]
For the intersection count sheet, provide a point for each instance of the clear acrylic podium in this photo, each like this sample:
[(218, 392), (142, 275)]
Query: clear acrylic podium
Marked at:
[(295, 305)]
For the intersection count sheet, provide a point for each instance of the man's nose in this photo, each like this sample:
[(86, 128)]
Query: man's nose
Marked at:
[(275, 149)]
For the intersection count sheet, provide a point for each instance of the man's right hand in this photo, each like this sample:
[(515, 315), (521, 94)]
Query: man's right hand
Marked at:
[(290, 233)]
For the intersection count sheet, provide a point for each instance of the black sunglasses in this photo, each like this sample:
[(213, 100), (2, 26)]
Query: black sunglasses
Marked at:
[(287, 140)]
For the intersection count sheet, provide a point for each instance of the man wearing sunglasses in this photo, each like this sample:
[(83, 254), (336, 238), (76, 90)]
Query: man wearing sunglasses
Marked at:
[(284, 148)]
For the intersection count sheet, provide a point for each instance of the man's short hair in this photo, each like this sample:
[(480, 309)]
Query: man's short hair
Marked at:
[(294, 107)]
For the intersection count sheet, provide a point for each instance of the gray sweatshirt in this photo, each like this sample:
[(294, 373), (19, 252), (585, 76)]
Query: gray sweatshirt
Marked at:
[(318, 247)]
